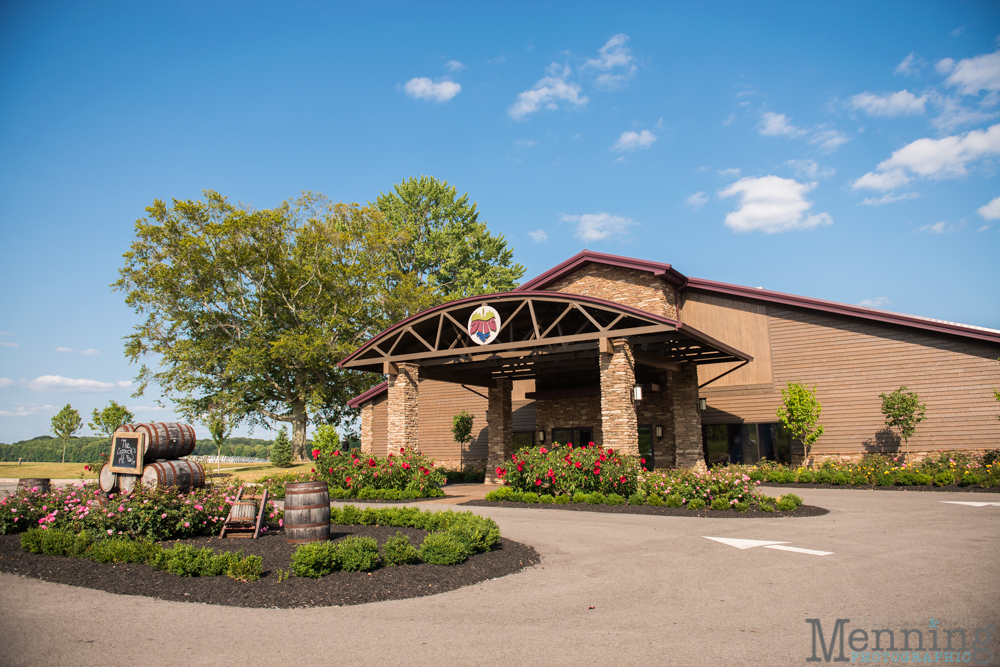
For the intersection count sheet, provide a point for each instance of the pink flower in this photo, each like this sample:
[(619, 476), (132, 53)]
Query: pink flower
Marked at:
[(187, 525), (163, 516), (110, 532), (281, 522)]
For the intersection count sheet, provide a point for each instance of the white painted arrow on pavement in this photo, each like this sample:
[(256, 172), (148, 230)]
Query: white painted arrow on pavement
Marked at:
[(971, 504), (767, 544)]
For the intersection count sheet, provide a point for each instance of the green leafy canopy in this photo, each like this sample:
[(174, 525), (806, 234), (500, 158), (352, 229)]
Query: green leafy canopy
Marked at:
[(799, 413)]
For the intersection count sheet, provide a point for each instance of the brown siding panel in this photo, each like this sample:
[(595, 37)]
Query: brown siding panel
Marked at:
[(740, 323)]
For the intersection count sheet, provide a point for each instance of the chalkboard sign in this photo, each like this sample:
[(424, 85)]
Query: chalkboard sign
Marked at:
[(127, 448)]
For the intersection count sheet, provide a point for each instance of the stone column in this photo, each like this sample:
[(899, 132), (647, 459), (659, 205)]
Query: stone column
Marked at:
[(500, 417), (367, 421), (618, 421), (402, 408), (687, 419)]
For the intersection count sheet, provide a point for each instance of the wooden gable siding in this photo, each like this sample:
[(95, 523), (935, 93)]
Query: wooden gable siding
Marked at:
[(439, 402), (851, 361), (736, 322)]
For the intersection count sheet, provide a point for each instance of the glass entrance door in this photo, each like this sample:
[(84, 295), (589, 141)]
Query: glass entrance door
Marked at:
[(646, 446)]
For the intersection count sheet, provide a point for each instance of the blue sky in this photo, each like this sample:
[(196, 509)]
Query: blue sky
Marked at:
[(845, 151)]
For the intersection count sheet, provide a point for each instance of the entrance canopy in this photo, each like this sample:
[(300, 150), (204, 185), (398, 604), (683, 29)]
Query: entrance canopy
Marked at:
[(533, 335)]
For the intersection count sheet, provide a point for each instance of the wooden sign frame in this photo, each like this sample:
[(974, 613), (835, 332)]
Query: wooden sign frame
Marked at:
[(140, 443)]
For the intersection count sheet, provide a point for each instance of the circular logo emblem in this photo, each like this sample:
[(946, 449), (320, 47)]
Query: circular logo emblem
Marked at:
[(484, 324)]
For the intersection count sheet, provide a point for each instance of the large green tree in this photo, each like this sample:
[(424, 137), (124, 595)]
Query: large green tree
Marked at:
[(252, 309), (448, 248), (903, 411), (107, 421), (65, 425)]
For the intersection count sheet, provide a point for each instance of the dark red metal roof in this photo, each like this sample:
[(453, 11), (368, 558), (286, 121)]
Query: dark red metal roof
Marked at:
[(371, 393), (574, 263)]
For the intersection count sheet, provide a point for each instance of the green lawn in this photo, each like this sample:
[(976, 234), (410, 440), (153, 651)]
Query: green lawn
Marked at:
[(50, 470)]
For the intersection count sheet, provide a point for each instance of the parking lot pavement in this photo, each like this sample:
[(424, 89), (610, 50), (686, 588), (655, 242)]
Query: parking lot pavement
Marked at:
[(611, 589)]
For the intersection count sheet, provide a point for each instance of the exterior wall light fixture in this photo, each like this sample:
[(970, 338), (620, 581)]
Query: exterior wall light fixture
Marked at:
[(637, 392), (541, 436), (659, 431), (703, 404)]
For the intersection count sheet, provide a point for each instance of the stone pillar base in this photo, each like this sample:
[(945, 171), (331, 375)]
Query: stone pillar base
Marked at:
[(500, 416)]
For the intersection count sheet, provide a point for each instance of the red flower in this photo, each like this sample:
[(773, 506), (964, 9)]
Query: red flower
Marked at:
[(578, 464), (622, 480), (610, 452), (331, 470), (312, 469), (406, 466), (602, 457), (543, 450), (538, 482), (402, 450), (371, 463), (348, 480), (315, 453), (643, 460), (500, 471), (337, 453)]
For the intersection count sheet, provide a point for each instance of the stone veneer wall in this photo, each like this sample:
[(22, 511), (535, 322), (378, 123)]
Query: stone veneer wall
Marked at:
[(367, 418), (638, 289), (501, 424), (687, 419), (403, 408), (553, 413), (618, 424), (655, 410)]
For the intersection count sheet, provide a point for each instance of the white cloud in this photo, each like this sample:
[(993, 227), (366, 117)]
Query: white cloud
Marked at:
[(933, 158), (901, 103), (990, 211), (615, 63), (953, 114), (729, 119), (422, 88), (971, 75), (983, 228), (525, 143), (631, 141), (548, 93), (4, 343), (600, 226), (810, 169), (939, 228), (772, 204), (48, 384), (90, 352), (6, 333), (911, 64), (778, 125), (697, 199), (26, 410), (538, 235), (7, 382), (732, 172), (889, 199), (454, 66), (828, 140), (146, 408), (65, 349), (877, 302)]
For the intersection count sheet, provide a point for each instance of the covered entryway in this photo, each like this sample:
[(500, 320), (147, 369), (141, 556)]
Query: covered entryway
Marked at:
[(616, 367)]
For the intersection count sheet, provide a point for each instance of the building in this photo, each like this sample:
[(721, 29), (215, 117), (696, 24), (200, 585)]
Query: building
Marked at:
[(632, 354)]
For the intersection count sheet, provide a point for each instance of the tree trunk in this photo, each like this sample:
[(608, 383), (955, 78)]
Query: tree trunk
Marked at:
[(299, 421)]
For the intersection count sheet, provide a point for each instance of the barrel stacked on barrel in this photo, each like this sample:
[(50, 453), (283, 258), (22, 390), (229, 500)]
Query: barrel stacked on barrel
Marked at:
[(165, 444)]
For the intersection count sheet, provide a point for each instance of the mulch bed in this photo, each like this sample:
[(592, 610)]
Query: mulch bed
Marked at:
[(335, 589), (803, 510), (953, 488)]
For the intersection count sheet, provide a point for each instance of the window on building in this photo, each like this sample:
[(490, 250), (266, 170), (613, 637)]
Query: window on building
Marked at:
[(646, 446), (746, 443), (577, 436), (523, 439)]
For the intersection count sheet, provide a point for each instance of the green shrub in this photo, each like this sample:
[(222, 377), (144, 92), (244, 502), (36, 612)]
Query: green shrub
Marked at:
[(31, 540), (766, 507), (858, 478), (969, 479), (788, 477), (636, 499), (885, 478), (479, 533), (794, 499), (57, 542), (124, 550), (696, 504), (655, 500), (805, 477), (720, 504), (757, 475), (580, 497), (776, 477), (314, 560), (397, 550), (822, 477), (614, 499), (673, 500), (529, 497), (838, 478), (546, 499), (187, 561), (921, 479), (249, 568), (357, 554), (563, 499), (349, 515), (905, 478), (741, 507), (596, 498), (444, 548), (944, 478), (785, 505), (503, 493)]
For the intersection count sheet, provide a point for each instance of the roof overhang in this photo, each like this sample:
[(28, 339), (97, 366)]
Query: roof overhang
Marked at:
[(581, 259), (539, 333)]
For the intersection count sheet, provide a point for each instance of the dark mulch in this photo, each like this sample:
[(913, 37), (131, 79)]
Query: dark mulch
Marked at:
[(803, 510), (338, 588), (952, 488)]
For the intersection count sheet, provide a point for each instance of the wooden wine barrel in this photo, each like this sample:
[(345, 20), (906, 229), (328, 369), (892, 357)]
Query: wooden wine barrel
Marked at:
[(244, 512), (107, 479), (29, 483), (127, 483), (307, 512), (185, 475), (166, 440)]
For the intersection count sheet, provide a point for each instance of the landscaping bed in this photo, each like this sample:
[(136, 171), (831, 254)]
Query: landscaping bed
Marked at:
[(952, 488), (801, 511), (337, 588)]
